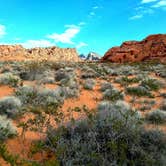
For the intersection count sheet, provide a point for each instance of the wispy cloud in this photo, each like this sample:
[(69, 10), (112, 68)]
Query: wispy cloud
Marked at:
[(82, 23), (148, 1), (2, 30), (95, 7), (160, 4), (136, 17), (81, 44), (147, 7), (67, 36), (36, 43)]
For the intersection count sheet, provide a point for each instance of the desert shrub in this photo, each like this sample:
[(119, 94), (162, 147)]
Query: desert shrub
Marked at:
[(89, 84), (151, 84), (89, 73), (9, 79), (26, 94), (32, 70), (163, 106), (47, 80), (61, 74), (105, 86), (124, 70), (70, 87), (70, 92), (163, 95), (113, 136), (39, 96), (126, 81), (10, 106), (113, 94), (154, 142), (6, 128), (138, 91), (156, 117), (47, 77)]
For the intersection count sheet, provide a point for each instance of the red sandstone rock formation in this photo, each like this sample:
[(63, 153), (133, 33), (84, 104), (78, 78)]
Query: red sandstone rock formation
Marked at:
[(17, 52), (151, 48)]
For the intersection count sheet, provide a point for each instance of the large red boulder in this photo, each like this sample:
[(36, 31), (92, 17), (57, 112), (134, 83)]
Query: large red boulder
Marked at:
[(151, 48)]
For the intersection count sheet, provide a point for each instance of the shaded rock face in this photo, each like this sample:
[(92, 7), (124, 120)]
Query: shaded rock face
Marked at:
[(92, 56), (82, 56), (151, 48), (17, 52)]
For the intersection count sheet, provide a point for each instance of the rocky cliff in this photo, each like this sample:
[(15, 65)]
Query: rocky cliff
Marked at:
[(17, 52), (151, 48)]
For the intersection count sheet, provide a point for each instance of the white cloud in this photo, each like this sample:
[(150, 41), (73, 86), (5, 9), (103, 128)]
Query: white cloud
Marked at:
[(67, 36), (160, 4), (148, 1), (95, 7), (37, 43), (81, 44), (136, 17), (2, 30), (82, 23), (92, 13)]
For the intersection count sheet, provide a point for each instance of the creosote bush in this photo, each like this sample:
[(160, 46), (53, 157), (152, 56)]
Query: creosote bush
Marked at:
[(113, 94), (105, 86), (6, 128), (38, 96), (151, 84), (163, 106), (156, 117), (114, 136), (10, 106), (9, 79), (89, 84), (126, 81), (138, 91)]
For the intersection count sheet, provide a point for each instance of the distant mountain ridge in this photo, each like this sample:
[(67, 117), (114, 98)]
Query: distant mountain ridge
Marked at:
[(92, 56)]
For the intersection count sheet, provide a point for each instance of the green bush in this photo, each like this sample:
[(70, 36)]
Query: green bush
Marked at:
[(105, 86), (126, 81), (10, 106), (113, 137), (163, 106), (156, 117), (6, 128), (138, 91), (113, 94), (39, 96), (89, 84), (151, 84), (9, 79)]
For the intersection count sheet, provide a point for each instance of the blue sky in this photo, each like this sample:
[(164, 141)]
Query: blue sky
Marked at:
[(88, 25)]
